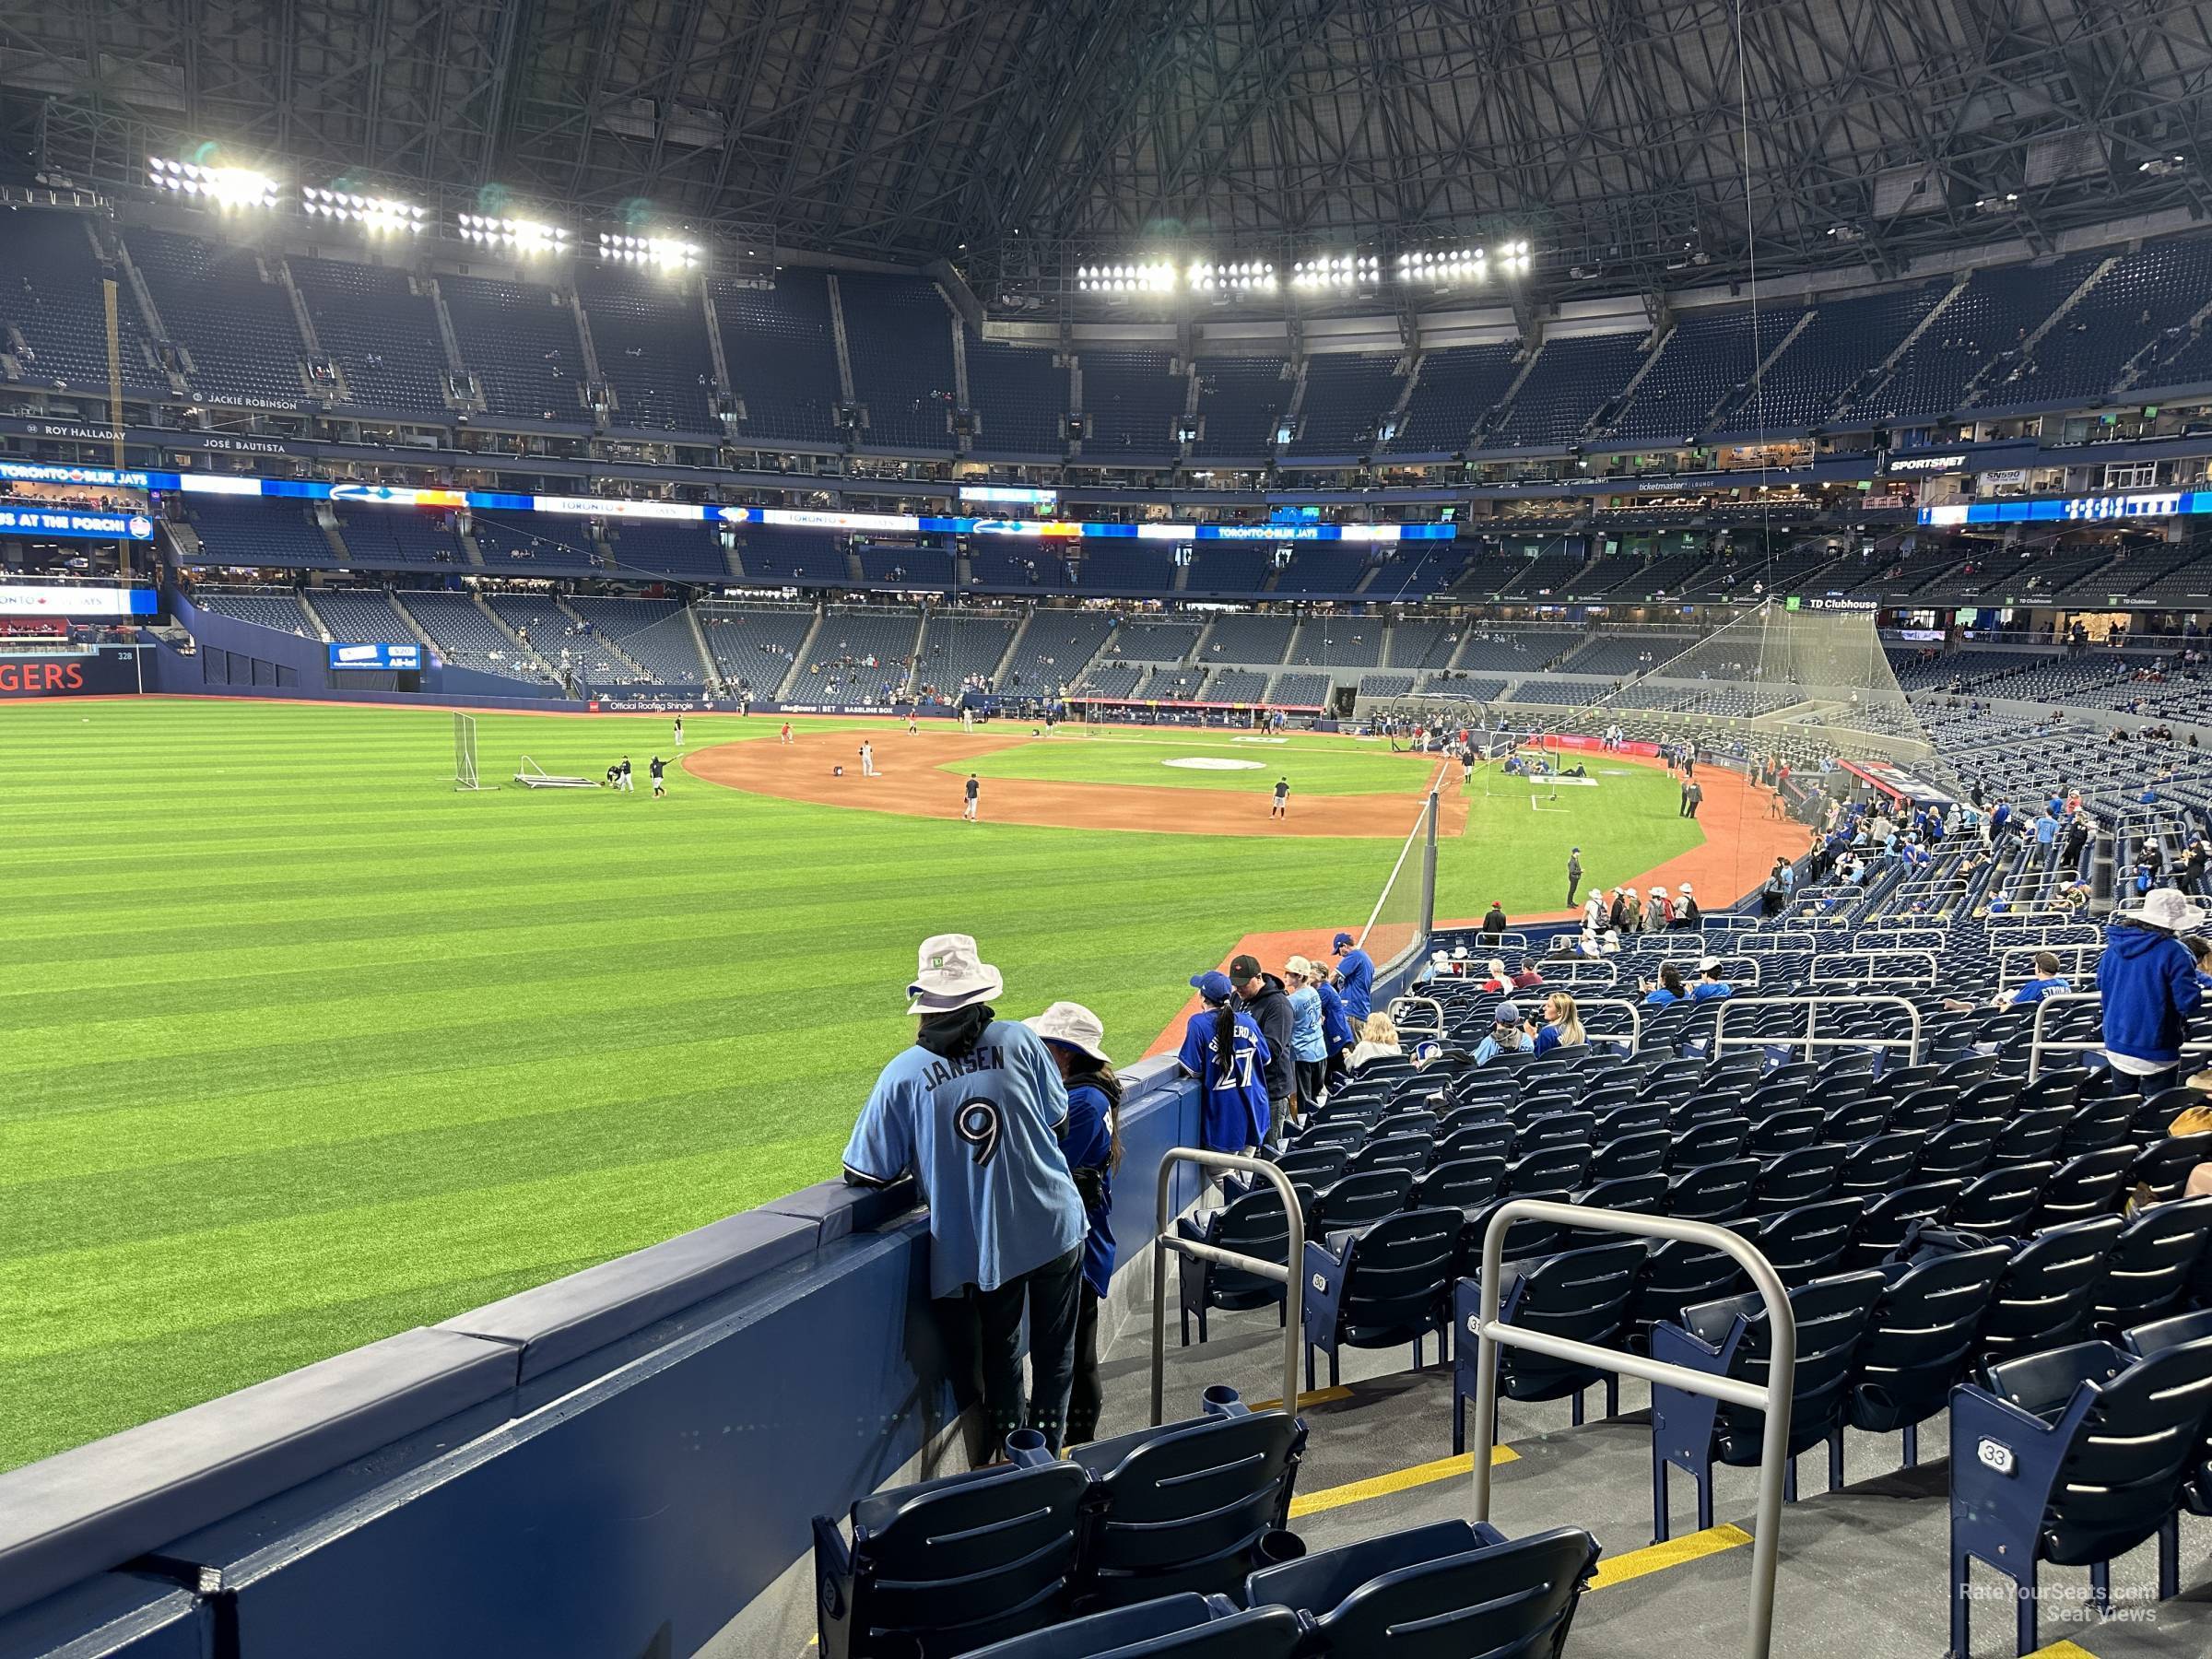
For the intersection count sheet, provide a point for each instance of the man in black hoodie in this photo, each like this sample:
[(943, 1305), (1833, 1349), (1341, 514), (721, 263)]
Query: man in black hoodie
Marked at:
[(1261, 995)]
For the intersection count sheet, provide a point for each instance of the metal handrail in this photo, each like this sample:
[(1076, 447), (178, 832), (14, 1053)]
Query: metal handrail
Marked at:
[(1934, 960), (2004, 932), (1635, 1020), (1397, 1018), (1877, 938), (2039, 1045), (1573, 966), (1774, 1400), (1290, 1271), (1812, 1006)]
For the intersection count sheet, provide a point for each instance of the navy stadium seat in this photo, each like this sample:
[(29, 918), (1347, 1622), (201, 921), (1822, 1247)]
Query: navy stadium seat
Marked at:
[(2072, 1457), (1387, 1284), (1120, 1630), (2148, 1269), (1583, 1295), (2043, 1297), (1443, 1592), (951, 1564), (1253, 1224), (1729, 1338), (1919, 1341), (1185, 1506)]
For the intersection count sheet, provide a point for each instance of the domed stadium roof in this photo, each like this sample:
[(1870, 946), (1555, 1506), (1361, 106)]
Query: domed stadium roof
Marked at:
[(1614, 133)]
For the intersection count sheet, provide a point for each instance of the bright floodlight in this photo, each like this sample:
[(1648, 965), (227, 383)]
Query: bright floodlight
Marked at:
[(378, 214), (665, 252), (516, 236), (220, 187)]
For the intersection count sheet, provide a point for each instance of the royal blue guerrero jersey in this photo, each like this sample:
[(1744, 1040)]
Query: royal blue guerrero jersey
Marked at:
[(981, 1134), (1235, 1111)]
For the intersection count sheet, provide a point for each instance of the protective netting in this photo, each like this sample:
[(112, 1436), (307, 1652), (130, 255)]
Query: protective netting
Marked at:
[(1779, 681), (1399, 924)]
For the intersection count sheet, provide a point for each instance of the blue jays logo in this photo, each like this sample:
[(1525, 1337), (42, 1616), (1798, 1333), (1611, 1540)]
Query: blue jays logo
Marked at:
[(976, 1123)]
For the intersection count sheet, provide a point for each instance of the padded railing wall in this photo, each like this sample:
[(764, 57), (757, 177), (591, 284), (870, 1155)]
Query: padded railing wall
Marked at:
[(613, 1463)]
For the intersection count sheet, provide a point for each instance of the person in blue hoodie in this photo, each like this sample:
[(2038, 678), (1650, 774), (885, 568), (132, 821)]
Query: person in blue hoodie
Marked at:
[(2147, 979), (1336, 1034)]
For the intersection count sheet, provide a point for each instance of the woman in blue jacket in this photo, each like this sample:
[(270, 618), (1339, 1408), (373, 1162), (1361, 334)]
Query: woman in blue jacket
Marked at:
[(1336, 1034), (2148, 980), (1092, 1145), (1307, 1043)]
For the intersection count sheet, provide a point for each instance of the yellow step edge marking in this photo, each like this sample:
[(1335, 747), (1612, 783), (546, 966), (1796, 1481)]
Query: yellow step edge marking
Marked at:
[(1381, 1486), (1657, 1557), (2063, 1650), (1312, 1396)]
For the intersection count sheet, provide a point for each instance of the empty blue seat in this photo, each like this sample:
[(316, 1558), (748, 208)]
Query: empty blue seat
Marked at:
[(2086, 1184), (1718, 1192), (1357, 1201), (2042, 1299), (1582, 1296), (1999, 1201), (1448, 1591), (1806, 1175), (1807, 1242), (1729, 1338), (1920, 1342), (951, 1564), (1884, 1222), (1388, 1284), (1184, 1506), (1461, 1184), (2072, 1457), (2151, 1265), (1253, 1224)]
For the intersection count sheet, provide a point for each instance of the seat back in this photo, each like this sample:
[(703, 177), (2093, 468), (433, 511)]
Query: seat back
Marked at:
[(1460, 1183), (1513, 1600), (1806, 1176), (2042, 1296), (2151, 1264), (950, 1564), (1920, 1337), (1678, 1275), (2098, 1124), (1927, 1108), (1632, 1117), (1807, 1242), (1880, 1164), (1958, 1149), (1855, 1119), (2134, 1440), (1254, 1225), (2032, 1134), (1181, 1506), (1574, 1129), (1883, 1222), (1170, 1627), (1788, 1130), (1412, 1153), (1492, 1139), (1314, 1166), (1582, 1295), (1640, 1154), (1999, 1202), (1357, 1201), (2164, 1166), (2090, 1184), (1712, 1141), (1718, 1192), (1399, 1270), (1408, 1123), (1553, 1169), (2059, 1086), (1832, 1316)]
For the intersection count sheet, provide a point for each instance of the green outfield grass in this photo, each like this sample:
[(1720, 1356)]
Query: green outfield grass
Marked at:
[(302, 1048), (1316, 766)]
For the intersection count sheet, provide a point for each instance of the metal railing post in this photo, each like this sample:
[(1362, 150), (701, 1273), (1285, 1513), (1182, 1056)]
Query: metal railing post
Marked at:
[(1812, 1006), (1774, 1400), (1291, 1272)]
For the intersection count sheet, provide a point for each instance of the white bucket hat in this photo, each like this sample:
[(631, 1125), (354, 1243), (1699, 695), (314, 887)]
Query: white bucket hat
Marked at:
[(1075, 1025), (947, 976), (2169, 908)]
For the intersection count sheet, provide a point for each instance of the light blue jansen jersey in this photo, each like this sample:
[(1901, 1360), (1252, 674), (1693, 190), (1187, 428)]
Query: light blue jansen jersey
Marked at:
[(981, 1135)]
